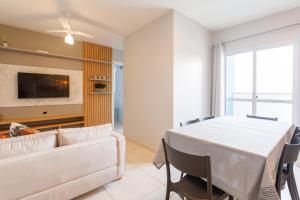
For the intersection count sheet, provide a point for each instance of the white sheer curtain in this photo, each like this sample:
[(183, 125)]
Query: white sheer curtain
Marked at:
[(218, 80)]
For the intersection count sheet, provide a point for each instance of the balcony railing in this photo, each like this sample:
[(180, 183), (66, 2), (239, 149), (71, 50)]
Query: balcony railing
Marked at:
[(244, 96)]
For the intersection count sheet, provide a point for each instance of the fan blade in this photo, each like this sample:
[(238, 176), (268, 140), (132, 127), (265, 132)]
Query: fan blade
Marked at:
[(58, 31), (65, 23), (82, 34)]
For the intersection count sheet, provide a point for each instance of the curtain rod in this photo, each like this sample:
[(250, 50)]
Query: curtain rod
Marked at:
[(261, 33)]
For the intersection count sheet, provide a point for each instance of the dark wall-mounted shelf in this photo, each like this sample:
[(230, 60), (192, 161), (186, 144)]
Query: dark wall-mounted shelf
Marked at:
[(103, 80), (44, 123), (100, 92)]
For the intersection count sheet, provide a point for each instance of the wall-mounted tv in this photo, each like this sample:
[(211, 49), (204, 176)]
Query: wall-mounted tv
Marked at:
[(31, 85)]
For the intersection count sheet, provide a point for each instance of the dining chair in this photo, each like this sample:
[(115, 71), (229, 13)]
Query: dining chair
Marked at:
[(207, 118), (195, 121), (192, 186), (265, 118), (192, 122), (285, 171), (189, 122)]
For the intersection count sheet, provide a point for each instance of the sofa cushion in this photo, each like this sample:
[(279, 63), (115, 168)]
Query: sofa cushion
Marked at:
[(17, 129), (27, 175), (28, 143), (77, 135)]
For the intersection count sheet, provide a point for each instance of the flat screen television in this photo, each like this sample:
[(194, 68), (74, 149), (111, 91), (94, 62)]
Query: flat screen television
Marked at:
[(31, 85)]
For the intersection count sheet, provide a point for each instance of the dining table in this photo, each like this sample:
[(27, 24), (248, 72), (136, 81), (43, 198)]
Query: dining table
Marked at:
[(244, 152)]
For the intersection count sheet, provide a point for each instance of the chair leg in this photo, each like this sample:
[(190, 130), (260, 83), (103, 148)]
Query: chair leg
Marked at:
[(291, 188), (168, 194), (183, 198), (294, 185), (181, 176)]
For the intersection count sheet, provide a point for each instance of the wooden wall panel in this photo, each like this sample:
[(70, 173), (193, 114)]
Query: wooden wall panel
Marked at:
[(97, 106)]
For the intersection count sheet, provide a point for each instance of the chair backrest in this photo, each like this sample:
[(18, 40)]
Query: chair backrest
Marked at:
[(288, 157), (198, 166), (195, 121), (265, 118), (296, 135), (207, 118), (290, 153), (190, 122)]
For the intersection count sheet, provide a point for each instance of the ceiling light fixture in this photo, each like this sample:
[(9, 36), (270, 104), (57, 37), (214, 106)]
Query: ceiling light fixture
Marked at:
[(69, 39), (69, 31)]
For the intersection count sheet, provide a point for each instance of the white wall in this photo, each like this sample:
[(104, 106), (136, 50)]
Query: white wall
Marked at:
[(167, 77), (257, 26), (192, 70), (285, 36), (148, 81), (272, 22)]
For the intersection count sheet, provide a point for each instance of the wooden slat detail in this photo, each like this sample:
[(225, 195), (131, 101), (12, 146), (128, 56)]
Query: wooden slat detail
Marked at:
[(97, 107)]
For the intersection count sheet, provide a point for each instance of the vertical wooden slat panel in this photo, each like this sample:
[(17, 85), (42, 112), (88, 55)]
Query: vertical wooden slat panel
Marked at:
[(104, 72), (97, 107), (100, 99)]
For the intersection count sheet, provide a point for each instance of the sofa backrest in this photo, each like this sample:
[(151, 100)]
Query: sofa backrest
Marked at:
[(28, 144), (69, 136), (51, 139)]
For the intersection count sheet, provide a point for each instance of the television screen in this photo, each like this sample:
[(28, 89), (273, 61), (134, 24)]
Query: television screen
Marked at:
[(31, 85)]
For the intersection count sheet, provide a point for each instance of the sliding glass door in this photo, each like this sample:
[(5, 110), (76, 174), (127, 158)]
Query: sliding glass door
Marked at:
[(239, 84), (260, 82)]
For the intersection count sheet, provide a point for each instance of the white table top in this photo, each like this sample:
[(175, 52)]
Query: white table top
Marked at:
[(245, 134)]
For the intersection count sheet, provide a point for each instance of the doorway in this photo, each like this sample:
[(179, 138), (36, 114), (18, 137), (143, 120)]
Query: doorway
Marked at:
[(118, 97)]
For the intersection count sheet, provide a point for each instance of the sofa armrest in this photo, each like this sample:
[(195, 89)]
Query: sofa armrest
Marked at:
[(121, 142)]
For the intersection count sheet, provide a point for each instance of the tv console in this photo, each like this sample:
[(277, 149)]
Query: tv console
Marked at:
[(44, 123)]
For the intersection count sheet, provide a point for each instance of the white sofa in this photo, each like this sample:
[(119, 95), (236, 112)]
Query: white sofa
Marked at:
[(63, 172)]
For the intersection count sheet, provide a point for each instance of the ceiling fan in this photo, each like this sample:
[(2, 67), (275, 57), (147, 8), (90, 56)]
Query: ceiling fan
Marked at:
[(68, 30)]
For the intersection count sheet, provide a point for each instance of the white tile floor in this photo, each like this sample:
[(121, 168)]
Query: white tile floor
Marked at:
[(142, 181)]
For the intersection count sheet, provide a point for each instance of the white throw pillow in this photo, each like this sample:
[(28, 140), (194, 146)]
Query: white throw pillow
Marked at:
[(77, 135), (15, 128), (14, 125), (28, 143)]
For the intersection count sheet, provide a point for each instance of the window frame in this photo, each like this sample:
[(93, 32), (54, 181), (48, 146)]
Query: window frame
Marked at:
[(254, 100)]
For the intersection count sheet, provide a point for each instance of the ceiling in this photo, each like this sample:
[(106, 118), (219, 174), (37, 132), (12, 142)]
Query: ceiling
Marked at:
[(111, 20)]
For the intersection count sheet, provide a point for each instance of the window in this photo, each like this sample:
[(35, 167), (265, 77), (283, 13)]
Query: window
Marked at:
[(260, 82)]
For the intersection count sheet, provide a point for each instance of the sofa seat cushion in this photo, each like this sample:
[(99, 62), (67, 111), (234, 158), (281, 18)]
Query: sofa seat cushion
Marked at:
[(28, 143), (77, 187), (76, 135), (26, 175)]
